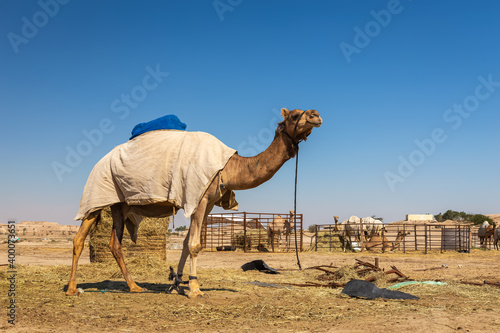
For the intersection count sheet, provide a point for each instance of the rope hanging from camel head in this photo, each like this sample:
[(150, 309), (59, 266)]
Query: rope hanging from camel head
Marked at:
[(295, 144), (295, 191), (295, 209)]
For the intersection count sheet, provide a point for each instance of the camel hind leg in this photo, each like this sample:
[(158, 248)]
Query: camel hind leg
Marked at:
[(115, 245), (271, 240), (78, 244)]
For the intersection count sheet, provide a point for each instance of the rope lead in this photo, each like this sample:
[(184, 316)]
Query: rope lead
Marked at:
[(295, 208)]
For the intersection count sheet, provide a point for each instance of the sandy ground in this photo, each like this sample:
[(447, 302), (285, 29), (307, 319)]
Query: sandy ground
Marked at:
[(237, 305)]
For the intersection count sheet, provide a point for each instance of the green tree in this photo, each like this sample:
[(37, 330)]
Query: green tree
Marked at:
[(312, 228), (439, 217), (477, 219), (181, 228), (452, 215)]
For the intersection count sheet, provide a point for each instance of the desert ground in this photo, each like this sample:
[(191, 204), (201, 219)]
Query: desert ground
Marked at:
[(252, 300)]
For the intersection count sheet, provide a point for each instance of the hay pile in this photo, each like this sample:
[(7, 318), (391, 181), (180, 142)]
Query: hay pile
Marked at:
[(347, 273), (327, 241), (151, 240), (256, 240)]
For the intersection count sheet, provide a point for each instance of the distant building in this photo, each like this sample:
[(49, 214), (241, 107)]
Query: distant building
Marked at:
[(419, 217)]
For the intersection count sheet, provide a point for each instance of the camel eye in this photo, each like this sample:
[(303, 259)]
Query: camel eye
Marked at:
[(295, 116)]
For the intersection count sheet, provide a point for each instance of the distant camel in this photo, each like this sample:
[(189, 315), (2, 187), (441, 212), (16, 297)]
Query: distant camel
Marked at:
[(496, 238), (489, 235), (354, 227), (378, 242), (486, 233), (278, 227), (481, 231)]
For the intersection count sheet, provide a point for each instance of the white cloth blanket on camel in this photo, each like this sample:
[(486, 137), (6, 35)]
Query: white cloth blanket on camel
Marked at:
[(169, 168)]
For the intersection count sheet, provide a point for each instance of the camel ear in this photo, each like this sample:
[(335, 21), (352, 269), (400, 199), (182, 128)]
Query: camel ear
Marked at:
[(284, 113)]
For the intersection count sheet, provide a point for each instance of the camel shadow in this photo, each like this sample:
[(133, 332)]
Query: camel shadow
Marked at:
[(122, 287)]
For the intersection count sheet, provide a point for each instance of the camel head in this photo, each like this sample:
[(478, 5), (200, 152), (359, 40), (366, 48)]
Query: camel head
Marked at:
[(402, 234), (298, 124)]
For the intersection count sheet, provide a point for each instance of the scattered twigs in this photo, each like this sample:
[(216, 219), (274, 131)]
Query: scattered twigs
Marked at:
[(397, 272), (361, 268), (370, 268), (330, 275), (366, 264), (315, 284), (324, 270), (364, 270), (401, 276)]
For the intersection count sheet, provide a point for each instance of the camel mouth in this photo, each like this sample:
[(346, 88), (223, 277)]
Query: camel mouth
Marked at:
[(315, 124)]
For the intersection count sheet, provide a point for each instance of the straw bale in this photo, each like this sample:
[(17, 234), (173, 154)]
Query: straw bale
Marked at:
[(256, 239), (151, 240), (327, 241)]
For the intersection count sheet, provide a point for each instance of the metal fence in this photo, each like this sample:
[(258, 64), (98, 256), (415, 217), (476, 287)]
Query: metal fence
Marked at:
[(397, 237), (251, 232)]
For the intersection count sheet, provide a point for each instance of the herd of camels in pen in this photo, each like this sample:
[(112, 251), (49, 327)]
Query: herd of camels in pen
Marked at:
[(370, 235)]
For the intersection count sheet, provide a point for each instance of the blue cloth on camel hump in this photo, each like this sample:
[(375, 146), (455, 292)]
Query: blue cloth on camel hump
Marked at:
[(166, 122)]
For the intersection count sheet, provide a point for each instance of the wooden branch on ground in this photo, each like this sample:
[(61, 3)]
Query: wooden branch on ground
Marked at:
[(485, 283), (366, 264), (314, 284), (324, 270), (397, 272), (429, 269)]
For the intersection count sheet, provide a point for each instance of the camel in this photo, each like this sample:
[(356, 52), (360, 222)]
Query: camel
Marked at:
[(486, 234), (489, 234), (239, 173), (372, 227), (481, 231), (278, 227), (357, 228), (378, 242)]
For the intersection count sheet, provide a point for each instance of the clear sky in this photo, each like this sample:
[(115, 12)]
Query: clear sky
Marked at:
[(409, 93)]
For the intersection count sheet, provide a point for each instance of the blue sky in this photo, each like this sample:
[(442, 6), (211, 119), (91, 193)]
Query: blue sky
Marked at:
[(409, 92)]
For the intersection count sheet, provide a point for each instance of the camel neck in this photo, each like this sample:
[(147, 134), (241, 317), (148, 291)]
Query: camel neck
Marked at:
[(243, 173)]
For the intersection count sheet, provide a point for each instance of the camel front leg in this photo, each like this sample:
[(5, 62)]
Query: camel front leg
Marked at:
[(115, 246), (177, 277), (193, 242), (78, 244)]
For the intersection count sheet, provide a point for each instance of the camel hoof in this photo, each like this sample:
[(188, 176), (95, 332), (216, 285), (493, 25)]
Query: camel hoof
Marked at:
[(136, 290), (72, 293), (198, 294)]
